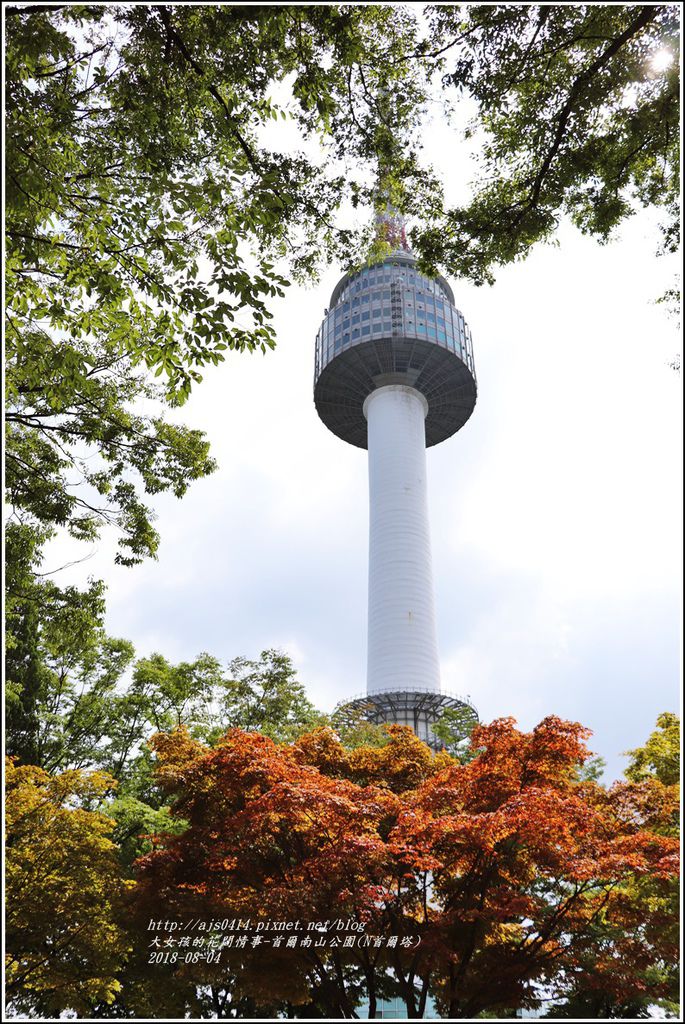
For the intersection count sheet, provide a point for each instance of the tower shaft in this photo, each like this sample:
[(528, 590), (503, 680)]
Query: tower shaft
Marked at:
[(402, 640)]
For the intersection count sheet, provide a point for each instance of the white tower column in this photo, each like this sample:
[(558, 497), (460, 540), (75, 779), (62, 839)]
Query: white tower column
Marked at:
[(402, 640)]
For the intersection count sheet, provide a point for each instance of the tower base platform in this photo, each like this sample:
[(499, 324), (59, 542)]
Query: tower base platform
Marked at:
[(418, 708)]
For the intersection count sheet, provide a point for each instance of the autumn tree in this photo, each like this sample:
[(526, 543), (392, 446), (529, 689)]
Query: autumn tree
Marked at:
[(643, 931), (64, 937), (524, 861), (290, 843), (491, 874)]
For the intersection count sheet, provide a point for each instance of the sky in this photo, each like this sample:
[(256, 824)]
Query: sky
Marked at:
[(555, 512)]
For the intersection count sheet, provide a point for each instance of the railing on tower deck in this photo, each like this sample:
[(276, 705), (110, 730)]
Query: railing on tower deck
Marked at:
[(380, 691)]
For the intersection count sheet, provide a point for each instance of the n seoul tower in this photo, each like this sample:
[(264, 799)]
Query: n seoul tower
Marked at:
[(394, 373)]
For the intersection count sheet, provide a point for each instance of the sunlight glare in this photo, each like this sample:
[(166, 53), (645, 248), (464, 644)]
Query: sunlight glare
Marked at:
[(661, 60)]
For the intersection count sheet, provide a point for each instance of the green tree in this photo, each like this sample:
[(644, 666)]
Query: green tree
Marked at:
[(62, 668), (150, 220), (659, 758), (353, 728), (145, 205), (265, 696), (454, 728), (79, 455), (577, 116)]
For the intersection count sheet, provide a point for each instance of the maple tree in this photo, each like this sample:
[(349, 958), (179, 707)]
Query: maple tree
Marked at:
[(525, 861), (509, 869), (275, 839), (64, 939), (638, 968)]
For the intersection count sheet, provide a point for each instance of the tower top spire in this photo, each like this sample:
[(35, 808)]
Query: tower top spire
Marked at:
[(390, 224), (391, 228)]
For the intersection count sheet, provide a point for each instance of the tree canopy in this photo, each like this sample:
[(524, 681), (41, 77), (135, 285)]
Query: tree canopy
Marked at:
[(578, 112), (64, 939), (145, 206), (507, 870)]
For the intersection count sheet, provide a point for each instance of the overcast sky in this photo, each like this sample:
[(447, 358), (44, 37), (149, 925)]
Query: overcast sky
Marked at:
[(555, 512)]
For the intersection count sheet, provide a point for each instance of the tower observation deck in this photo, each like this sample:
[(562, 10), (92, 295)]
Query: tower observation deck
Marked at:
[(394, 374)]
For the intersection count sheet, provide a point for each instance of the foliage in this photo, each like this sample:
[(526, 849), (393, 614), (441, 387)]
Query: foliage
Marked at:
[(526, 861), (591, 770), (135, 820), (144, 204), (659, 758), (577, 119), (77, 453), (285, 812), (64, 940), (401, 763), (454, 728), (353, 728), (266, 696), (645, 935), (509, 870), (71, 709), (62, 667)]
